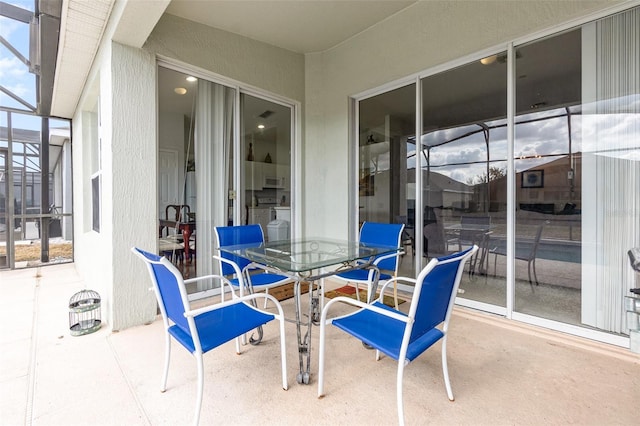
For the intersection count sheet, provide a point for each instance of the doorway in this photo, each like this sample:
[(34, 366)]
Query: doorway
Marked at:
[(225, 156)]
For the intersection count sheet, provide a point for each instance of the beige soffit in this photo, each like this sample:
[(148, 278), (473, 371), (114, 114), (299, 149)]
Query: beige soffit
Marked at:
[(81, 27)]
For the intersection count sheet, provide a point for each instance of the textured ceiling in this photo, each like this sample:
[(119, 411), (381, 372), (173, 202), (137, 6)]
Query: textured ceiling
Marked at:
[(302, 26)]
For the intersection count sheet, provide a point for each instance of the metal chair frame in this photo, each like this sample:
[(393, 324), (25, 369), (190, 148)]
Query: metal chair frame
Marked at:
[(201, 330), (401, 336)]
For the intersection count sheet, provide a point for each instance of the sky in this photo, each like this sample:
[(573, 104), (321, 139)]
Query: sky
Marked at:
[(14, 75)]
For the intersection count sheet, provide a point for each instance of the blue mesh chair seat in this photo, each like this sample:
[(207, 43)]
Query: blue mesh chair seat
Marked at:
[(404, 336), (201, 330)]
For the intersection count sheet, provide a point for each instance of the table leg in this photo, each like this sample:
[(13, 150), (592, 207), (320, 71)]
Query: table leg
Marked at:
[(186, 234), (303, 343)]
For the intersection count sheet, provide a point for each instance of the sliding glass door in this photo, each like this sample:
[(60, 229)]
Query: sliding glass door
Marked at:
[(553, 206), (224, 158), (464, 146), (610, 132), (265, 143), (548, 175), (387, 164)]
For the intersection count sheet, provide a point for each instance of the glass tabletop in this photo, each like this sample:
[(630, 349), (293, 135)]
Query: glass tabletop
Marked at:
[(469, 227), (306, 254)]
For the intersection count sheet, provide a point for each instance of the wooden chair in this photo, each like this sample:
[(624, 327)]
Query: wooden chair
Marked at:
[(177, 212)]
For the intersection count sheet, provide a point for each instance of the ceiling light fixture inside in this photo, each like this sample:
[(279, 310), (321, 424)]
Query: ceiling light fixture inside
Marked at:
[(488, 60), (180, 90), (191, 79), (260, 126)]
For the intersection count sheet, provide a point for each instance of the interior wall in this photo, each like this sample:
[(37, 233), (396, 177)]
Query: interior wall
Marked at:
[(420, 37), (172, 136)]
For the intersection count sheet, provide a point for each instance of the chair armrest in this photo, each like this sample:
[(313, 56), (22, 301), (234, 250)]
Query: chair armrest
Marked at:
[(235, 301), (395, 279), (341, 299), (196, 279), (253, 266), (233, 264), (387, 256)]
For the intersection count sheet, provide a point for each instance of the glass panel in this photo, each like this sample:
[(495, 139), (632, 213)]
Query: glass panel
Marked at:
[(548, 165), (464, 173), (177, 201), (611, 187), (41, 170), (266, 144), (386, 164)]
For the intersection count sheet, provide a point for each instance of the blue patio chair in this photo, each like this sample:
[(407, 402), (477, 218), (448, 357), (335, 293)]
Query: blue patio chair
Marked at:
[(201, 330), (401, 336), (236, 266), (386, 234)]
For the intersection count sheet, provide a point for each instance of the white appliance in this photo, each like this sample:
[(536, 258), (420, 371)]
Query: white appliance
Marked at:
[(277, 182), (278, 229), (283, 213)]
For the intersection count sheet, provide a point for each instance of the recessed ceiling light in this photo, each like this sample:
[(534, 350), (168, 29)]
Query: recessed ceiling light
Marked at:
[(488, 60), (180, 90), (191, 79), (260, 126)]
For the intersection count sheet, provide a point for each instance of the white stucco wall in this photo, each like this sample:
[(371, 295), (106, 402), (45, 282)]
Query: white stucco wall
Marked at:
[(91, 254), (132, 185), (423, 36), (124, 82)]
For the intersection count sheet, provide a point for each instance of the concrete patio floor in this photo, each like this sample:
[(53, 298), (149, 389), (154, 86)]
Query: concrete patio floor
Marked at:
[(502, 372)]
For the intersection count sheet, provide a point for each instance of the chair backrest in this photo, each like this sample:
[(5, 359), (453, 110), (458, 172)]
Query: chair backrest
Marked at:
[(169, 288), (177, 212), (234, 235), (471, 235), (386, 234), (536, 241), (435, 292)]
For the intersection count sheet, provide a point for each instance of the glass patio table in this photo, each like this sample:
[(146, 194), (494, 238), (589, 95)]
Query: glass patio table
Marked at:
[(480, 234), (307, 260)]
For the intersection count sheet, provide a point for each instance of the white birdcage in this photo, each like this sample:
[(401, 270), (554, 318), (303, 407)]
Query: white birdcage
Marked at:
[(84, 312)]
